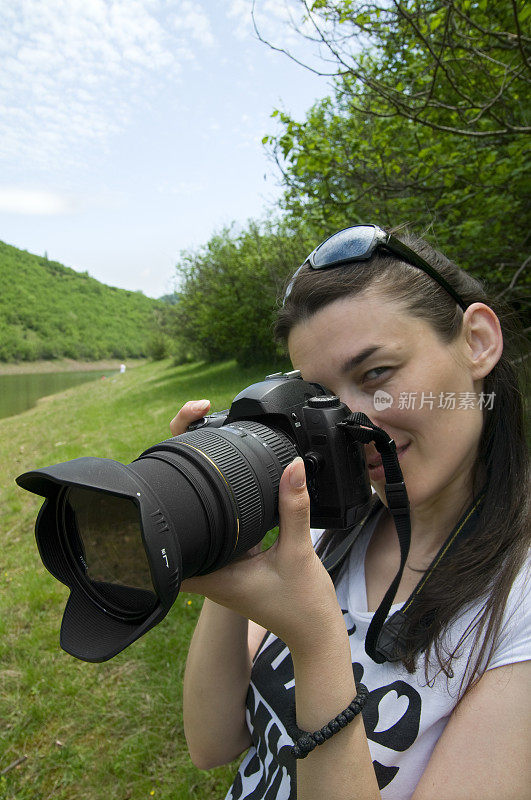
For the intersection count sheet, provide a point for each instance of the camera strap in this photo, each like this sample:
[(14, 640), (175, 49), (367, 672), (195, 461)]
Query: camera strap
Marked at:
[(362, 430), (385, 636), (392, 637)]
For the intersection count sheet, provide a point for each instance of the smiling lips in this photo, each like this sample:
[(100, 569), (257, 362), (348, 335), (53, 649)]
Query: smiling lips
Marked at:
[(376, 459)]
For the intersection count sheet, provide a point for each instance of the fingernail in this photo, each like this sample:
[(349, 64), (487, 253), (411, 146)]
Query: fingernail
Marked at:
[(199, 405), (297, 474)]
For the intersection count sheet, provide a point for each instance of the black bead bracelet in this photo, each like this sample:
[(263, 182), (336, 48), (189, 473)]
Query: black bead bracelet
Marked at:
[(309, 741)]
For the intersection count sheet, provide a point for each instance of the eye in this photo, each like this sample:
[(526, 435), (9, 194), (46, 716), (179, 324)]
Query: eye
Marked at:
[(374, 374)]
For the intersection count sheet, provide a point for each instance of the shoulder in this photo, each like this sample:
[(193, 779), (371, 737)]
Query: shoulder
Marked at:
[(513, 643)]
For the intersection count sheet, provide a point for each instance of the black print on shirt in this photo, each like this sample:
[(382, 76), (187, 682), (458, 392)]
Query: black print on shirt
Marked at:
[(384, 775), (273, 677), (277, 761), (403, 733)]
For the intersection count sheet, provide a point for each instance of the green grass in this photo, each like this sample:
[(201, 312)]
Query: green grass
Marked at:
[(94, 731)]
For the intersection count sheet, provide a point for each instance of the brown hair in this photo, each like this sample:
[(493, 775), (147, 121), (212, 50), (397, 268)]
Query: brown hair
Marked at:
[(484, 566)]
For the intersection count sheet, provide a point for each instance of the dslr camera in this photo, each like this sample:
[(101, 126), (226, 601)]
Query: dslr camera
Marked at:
[(123, 537)]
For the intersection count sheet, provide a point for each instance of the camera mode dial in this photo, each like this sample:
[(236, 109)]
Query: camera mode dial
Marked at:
[(326, 401)]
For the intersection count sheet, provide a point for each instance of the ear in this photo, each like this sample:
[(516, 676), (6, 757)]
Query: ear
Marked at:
[(483, 337)]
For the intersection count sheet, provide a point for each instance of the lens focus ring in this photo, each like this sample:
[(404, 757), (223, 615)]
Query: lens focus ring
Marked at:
[(281, 446), (222, 447), (235, 471)]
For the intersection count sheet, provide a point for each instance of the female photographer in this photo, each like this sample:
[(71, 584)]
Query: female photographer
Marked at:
[(401, 334)]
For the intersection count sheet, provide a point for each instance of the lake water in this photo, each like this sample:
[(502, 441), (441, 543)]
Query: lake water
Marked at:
[(20, 392)]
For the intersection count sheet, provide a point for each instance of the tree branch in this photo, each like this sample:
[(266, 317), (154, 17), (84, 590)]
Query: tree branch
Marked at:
[(287, 53), (428, 46), (514, 278), (519, 35), (401, 103)]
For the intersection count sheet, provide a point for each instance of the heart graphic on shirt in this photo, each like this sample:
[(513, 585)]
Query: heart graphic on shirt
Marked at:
[(391, 709)]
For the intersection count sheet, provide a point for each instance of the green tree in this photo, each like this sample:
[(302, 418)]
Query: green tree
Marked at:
[(426, 125), (454, 66), (229, 289), (50, 311), (340, 168)]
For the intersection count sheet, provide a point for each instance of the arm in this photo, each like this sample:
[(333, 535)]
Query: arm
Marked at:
[(341, 768), (216, 680), (483, 753), (218, 666), (287, 590)]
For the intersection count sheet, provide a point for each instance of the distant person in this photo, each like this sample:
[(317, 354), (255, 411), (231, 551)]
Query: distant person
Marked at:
[(122, 368), (280, 646)]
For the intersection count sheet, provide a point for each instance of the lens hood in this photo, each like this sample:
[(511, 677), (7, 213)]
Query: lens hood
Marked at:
[(90, 631)]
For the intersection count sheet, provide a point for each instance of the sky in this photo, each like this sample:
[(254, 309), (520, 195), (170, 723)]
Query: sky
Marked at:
[(131, 130)]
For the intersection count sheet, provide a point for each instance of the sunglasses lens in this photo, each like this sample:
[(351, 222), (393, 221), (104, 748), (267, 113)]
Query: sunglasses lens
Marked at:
[(352, 243)]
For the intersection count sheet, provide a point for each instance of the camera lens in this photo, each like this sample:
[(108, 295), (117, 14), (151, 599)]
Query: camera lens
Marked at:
[(221, 484), (104, 536), (123, 537)]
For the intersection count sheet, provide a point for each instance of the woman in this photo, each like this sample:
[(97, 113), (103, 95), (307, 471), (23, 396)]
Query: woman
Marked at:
[(403, 335)]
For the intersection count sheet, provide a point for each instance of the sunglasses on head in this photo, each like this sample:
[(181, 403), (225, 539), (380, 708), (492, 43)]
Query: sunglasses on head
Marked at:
[(358, 243)]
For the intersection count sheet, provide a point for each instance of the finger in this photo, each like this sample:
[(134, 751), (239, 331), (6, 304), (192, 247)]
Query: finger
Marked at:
[(190, 412), (294, 507)]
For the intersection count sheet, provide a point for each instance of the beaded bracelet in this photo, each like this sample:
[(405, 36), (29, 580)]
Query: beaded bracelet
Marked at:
[(308, 741)]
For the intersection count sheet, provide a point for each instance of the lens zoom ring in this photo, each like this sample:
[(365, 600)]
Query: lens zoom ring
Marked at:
[(283, 449), (237, 474), (278, 442)]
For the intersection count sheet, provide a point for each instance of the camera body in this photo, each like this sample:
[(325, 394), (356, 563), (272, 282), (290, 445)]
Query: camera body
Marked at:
[(336, 472)]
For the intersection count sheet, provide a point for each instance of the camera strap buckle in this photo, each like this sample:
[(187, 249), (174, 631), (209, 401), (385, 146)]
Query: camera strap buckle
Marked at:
[(397, 499)]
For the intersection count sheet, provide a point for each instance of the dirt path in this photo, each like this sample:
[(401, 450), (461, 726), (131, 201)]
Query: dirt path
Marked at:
[(68, 365)]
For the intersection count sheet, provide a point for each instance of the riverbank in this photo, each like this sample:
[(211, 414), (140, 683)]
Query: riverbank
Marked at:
[(68, 365)]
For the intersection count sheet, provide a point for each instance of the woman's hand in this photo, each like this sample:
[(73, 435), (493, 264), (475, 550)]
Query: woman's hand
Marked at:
[(286, 588), (190, 412)]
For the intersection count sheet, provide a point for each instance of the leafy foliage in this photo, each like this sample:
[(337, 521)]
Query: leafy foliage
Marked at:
[(427, 124), (341, 168), (229, 289), (457, 66), (49, 311)]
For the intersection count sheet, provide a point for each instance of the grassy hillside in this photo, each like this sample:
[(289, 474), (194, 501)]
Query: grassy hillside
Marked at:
[(48, 311), (94, 731)]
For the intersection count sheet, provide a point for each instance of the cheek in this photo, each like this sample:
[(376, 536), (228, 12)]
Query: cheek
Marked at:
[(402, 424)]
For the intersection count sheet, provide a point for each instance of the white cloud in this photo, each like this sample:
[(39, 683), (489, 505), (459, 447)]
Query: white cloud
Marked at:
[(181, 188), (33, 201), (275, 19), (73, 71), (192, 19), (284, 24)]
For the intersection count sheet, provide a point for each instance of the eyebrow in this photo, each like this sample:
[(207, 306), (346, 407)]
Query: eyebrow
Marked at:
[(355, 361)]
